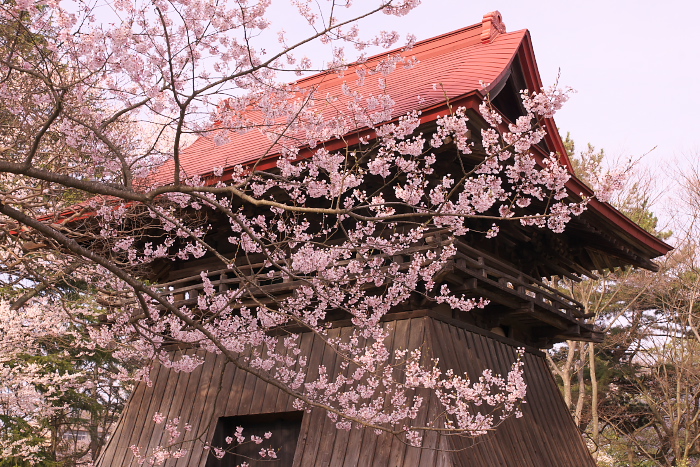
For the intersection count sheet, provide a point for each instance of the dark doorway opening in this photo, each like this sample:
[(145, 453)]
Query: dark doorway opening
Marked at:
[(284, 426)]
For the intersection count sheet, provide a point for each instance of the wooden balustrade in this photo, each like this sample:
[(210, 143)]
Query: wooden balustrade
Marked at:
[(479, 274)]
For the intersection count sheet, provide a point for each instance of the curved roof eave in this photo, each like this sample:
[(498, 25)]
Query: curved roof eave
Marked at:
[(575, 185)]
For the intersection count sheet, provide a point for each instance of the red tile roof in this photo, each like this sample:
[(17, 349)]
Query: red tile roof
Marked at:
[(457, 61)]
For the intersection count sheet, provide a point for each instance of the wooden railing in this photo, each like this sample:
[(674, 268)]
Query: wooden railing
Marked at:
[(185, 290), (484, 273), (499, 275)]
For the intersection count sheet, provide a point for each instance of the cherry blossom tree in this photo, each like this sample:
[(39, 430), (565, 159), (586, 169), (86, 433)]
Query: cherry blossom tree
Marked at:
[(59, 397), (95, 118)]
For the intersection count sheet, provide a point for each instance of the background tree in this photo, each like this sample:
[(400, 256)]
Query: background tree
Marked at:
[(60, 396), (636, 393)]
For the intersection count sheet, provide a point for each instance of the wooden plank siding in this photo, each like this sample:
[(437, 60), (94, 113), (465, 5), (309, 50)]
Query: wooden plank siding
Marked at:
[(544, 436)]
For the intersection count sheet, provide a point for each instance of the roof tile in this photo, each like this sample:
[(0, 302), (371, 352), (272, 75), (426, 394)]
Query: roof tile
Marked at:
[(456, 62)]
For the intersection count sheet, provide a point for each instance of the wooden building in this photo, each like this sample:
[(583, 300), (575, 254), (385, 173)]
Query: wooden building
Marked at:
[(508, 270)]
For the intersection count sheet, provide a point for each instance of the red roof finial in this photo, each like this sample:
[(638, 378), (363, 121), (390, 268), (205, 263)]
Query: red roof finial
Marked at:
[(491, 26)]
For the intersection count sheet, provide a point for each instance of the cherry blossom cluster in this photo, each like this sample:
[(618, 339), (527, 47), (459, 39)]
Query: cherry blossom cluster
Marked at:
[(345, 249), (171, 449), (45, 358), (180, 435)]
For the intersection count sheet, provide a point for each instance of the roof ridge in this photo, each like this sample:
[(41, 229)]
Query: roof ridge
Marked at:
[(491, 26), (492, 21)]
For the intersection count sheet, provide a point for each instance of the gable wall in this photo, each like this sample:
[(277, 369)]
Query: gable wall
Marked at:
[(544, 436)]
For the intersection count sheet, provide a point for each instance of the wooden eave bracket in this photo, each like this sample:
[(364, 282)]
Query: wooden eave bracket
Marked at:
[(577, 333), (491, 26)]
